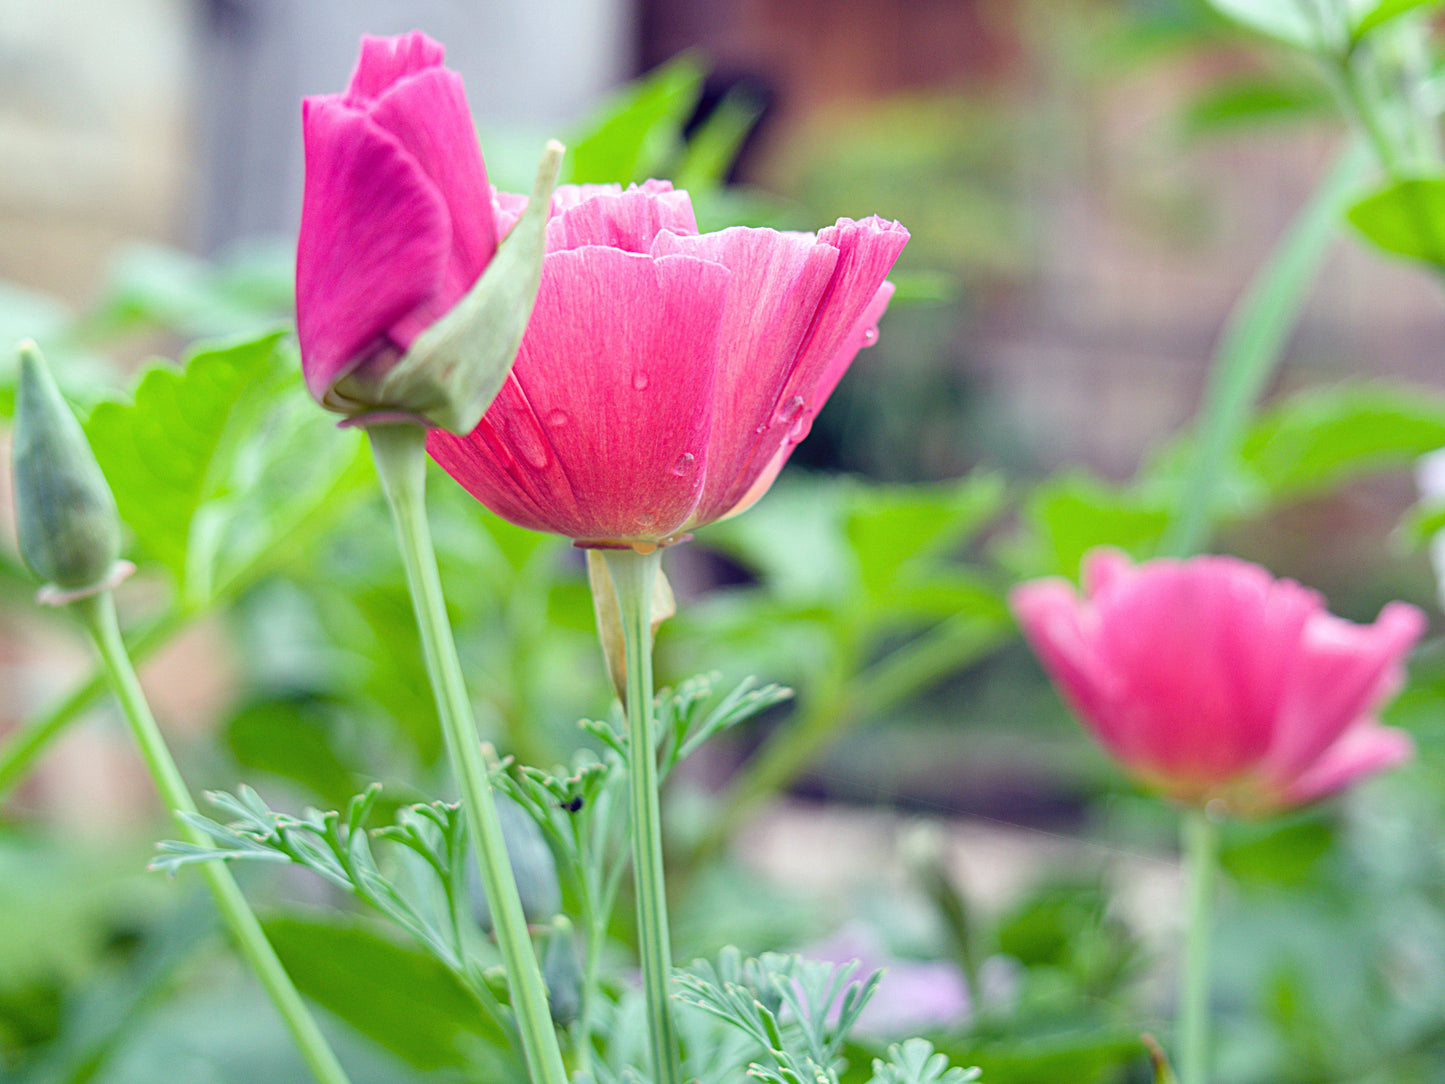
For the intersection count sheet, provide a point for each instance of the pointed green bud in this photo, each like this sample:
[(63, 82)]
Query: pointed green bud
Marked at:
[(64, 512), (455, 368)]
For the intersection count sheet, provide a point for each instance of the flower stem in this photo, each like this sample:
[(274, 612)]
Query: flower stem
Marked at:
[(98, 613), (400, 453), (633, 575), (1201, 856)]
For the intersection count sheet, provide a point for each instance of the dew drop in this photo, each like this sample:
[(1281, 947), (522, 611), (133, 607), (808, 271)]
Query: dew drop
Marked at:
[(640, 379), (684, 464), (870, 336), (526, 439), (789, 410), (760, 430), (646, 519), (801, 427), (558, 418), (645, 548)]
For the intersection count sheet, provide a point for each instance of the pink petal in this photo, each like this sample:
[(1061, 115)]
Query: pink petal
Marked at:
[(626, 220), (601, 433), (1364, 749), (1343, 673), (385, 61), (373, 242), (428, 115)]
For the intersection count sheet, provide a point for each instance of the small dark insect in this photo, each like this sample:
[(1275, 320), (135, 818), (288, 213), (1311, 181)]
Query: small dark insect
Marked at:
[(571, 805)]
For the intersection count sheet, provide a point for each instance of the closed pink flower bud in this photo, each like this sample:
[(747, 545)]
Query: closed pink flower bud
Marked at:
[(396, 223), (1210, 680), (666, 375)]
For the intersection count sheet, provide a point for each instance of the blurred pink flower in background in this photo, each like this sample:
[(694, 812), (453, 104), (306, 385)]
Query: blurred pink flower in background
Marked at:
[(1210, 680), (666, 375), (396, 223)]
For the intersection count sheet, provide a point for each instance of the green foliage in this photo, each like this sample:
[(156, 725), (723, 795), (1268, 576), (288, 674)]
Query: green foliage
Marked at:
[(638, 131), (786, 1006), (400, 997), (215, 465), (914, 1062), (1406, 217)]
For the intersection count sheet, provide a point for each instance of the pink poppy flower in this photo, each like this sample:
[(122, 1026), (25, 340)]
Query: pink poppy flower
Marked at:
[(1210, 680), (395, 223), (666, 375)]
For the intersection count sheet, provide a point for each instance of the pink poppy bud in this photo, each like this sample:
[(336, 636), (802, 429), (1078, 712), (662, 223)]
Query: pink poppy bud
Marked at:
[(666, 375), (397, 231), (1211, 681)]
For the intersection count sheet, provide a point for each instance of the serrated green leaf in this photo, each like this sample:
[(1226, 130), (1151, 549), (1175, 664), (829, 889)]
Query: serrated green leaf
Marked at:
[(637, 132), (1311, 441), (168, 452), (402, 998), (1406, 217)]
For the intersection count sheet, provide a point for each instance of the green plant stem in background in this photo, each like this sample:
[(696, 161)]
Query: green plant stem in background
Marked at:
[(400, 453), (98, 613), (1251, 347), (633, 575), (1201, 856)]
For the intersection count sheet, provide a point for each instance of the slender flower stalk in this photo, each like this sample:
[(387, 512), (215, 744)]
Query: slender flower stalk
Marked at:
[(98, 613), (400, 453), (633, 574), (1201, 859)]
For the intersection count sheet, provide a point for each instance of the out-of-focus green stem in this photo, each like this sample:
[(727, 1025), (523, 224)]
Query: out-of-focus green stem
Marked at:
[(400, 453), (19, 752), (1201, 856), (1250, 348), (98, 613), (633, 574)]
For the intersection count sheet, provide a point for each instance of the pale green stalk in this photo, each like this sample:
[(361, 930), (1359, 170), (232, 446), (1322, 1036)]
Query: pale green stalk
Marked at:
[(633, 574), (1201, 857), (98, 613), (400, 452)]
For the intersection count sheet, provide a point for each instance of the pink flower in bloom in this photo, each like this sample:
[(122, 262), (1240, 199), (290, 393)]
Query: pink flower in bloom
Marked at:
[(1211, 680), (396, 222), (666, 375)]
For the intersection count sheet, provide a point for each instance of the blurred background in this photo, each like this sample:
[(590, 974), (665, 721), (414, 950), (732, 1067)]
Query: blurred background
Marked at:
[(1091, 187)]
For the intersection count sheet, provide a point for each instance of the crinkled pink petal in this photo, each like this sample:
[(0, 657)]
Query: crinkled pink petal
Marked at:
[(1344, 672), (1364, 749), (626, 220), (601, 433), (427, 114), (373, 243), (384, 61)]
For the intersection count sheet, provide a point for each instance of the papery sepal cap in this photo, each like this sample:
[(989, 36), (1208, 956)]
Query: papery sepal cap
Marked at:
[(65, 514), (454, 368)]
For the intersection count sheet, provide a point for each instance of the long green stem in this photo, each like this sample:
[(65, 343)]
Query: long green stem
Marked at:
[(400, 453), (1201, 847), (1250, 348), (98, 613), (633, 574)]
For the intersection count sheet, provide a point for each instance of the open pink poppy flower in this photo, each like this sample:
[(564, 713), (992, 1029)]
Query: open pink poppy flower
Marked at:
[(1210, 680), (396, 222), (666, 375)]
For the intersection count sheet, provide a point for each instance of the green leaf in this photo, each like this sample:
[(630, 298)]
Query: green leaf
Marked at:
[(214, 465), (1073, 513), (1283, 20), (1385, 10), (402, 998), (638, 131), (713, 147), (1313, 440), (163, 453), (1406, 217), (290, 737)]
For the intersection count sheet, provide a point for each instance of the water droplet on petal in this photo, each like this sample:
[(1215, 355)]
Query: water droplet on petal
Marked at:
[(789, 410), (684, 464), (646, 519), (760, 430), (870, 336), (526, 439), (558, 418), (640, 379)]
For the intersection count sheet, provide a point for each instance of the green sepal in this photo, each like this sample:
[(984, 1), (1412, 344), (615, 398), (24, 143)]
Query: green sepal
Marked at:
[(455, 368), (65, 515)]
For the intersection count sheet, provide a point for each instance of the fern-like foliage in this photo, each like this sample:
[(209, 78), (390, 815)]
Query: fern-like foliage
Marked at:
[(913, 1061)]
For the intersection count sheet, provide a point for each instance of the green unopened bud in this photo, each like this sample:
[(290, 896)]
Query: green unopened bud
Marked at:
[(533, 867), (65, 514), (455, 368)]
